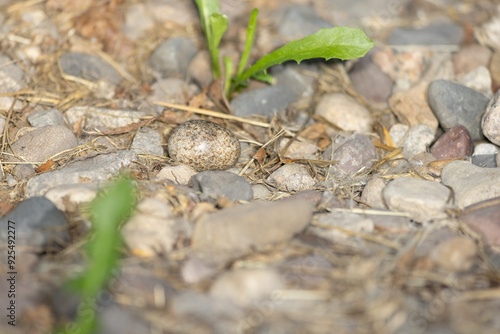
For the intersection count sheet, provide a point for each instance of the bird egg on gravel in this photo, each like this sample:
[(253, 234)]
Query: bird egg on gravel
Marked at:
[(204, 145)]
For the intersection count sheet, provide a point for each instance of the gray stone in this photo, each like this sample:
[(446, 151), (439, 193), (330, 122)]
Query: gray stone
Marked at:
[(292, 177), (370, 81), (89, 67), (37, 223), (491, 120), (470, 183), (485, 160), (172, 57), (356, 153), (454, 104), (43, 143), (99, 117), (46, 117), (291, 77), (345, 112), (300, 21), (180, 174), (436, 34), (424, 200), (267, 101), (23, 171), (116, 319), (260, 191), (222, 184), (11, 75), (147, 141), (98, 168), (242, 227), (171, 90)]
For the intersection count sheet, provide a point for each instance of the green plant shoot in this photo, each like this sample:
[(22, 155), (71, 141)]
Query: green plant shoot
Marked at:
[(339, 42), (107, 212), (214, 25)]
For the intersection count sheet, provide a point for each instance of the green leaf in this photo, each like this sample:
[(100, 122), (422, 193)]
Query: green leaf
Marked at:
[(107, 212), (218, 26), (264, 77), (228, 65), (339, 42), (206, 9), (252, 24)]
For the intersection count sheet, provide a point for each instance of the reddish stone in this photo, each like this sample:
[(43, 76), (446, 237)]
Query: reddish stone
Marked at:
[(484, 217), (456, 143)]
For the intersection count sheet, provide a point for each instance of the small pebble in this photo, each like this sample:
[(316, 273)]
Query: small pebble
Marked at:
[(267, 101), (147, 141), (300, 21), (88, 67), (292, 177), (470, 183), (495, 71), (68, 197), (43, 143), (246, 287), (204, 145), (417, 141), (470, 57), (436, 34), (370, 81), (172, 57), (456, 143), (345, 112), (260, 191), (298, 150), (491, 120), (38, 224), (98, 168), (240, 227), (291, 76), (356, 153), (484, 217), (372, 193), (424, 200), (479, 80), (486, 161), (485, 148), (102, 117), (412, 106), (11, 76), (454, 104), (180, 174), (46, 117), (455, 255), (222, 184), (152, 230)]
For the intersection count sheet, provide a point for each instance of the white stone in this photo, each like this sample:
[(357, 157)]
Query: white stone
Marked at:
[(180, 174), (345, 112)]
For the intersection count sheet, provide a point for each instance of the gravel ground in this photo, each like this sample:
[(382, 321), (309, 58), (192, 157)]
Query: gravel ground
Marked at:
[(348, 197)]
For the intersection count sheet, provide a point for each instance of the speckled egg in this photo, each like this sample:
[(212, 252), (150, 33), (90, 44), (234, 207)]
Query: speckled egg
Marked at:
[(204, 145)]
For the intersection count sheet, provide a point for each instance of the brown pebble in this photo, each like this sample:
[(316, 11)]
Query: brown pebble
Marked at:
[(456, 143)]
